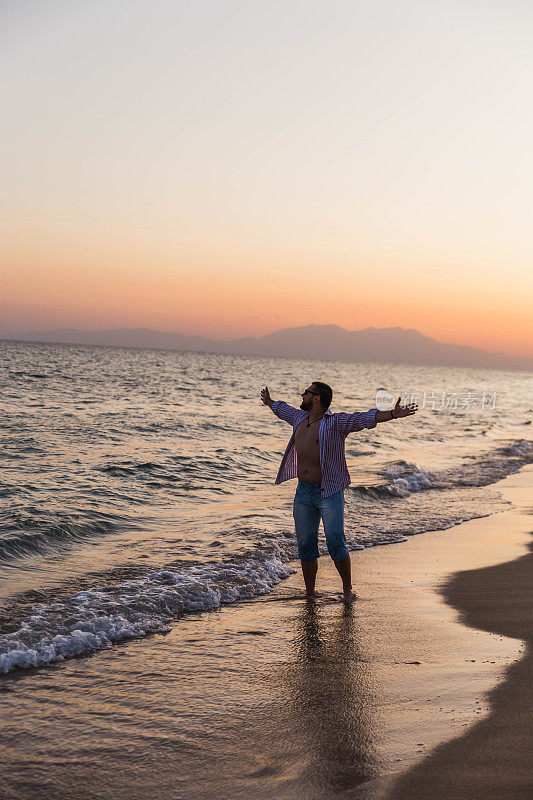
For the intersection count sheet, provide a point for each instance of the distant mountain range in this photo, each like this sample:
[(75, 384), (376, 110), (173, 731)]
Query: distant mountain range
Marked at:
[(400, 345)]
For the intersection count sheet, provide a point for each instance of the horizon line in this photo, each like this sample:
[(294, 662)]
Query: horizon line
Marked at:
[(65, 329)]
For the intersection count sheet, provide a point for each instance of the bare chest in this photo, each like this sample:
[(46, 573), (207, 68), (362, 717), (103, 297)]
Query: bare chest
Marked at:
[(307, 440)]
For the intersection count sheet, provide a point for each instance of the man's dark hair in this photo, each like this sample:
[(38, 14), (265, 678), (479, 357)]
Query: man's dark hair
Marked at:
[(325, 393)]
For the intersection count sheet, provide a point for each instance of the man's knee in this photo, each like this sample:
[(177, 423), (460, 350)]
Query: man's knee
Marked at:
[(308, 549), (336, 542), (337, 549)]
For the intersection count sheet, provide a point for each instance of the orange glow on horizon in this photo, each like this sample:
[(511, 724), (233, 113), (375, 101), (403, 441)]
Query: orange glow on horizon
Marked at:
[(251, 293), (233, 173)]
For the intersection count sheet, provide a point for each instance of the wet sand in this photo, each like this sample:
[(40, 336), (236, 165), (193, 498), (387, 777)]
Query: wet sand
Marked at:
[(494, 758), (281, 698)]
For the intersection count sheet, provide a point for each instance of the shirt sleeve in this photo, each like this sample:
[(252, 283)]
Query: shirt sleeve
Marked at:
[(284, 411), (348, 423)]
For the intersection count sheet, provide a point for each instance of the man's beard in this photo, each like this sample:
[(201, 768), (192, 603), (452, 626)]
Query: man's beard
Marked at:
[(306, 405)]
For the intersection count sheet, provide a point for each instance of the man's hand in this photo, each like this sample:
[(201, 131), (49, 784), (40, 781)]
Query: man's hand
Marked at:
[(265, 397), (404, 411)]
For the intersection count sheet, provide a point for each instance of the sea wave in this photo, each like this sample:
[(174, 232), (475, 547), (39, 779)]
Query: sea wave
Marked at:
[(24, 533), (405, 477), (96, 618)]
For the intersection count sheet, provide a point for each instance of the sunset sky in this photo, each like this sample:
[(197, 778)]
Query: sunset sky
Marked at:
[(232, 168)]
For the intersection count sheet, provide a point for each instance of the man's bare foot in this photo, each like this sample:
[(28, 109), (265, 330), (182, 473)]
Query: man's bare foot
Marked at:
[(349, 596), (312, 595)]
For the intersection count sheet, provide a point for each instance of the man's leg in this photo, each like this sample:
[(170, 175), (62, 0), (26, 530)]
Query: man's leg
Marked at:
[(344, 568), (306, 520), (332, 512), (310, 569)]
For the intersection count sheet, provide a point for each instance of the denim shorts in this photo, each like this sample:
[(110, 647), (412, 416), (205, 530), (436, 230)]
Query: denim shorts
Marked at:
[(308, 509)]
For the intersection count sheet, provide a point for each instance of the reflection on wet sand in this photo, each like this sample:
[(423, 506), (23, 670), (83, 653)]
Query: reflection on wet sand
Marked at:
[(329, 693), (312, 735), (288, 717)]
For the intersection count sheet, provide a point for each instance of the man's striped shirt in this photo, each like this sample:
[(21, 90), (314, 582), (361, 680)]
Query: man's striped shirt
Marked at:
[(332, 431)]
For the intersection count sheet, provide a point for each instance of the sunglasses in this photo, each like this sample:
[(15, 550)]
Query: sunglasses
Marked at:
[(310, 391)]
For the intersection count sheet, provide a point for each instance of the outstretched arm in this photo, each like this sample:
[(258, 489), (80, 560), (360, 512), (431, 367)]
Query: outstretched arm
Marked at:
[(357, 421), (282, 410), (397, 412)]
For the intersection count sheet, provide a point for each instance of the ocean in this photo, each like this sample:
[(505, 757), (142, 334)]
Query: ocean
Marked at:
[(138, 486)]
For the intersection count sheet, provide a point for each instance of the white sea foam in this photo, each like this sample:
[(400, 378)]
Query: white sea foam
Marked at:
[(95, 619), (408, 478)]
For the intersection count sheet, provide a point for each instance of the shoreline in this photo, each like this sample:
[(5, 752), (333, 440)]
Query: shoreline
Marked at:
[(492, 760), (279, 698)]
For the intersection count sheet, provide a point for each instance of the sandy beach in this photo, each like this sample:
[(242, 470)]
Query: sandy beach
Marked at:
[(279, 698), (493, 758)]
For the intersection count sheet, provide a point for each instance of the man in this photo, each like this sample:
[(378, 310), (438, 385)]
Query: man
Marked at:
[(315, 454)]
